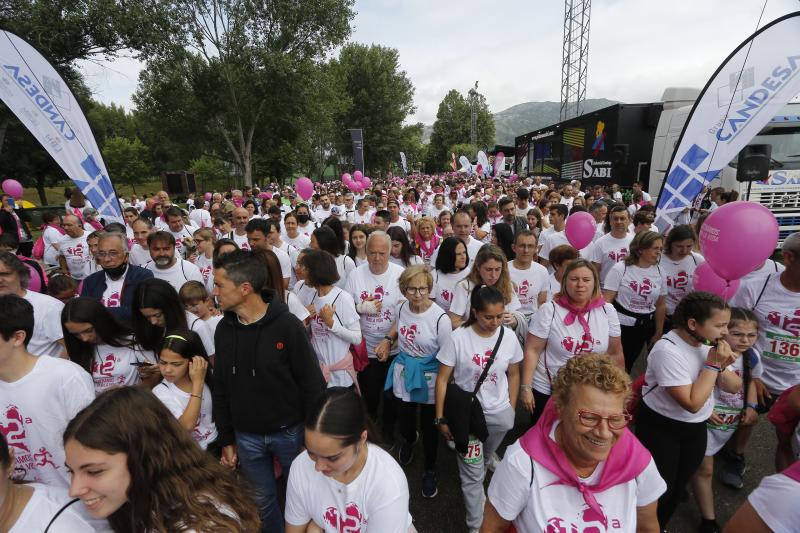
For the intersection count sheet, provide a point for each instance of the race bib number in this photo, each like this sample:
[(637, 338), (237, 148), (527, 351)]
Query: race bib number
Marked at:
[(474, 453), (730, 417), (782, 347)]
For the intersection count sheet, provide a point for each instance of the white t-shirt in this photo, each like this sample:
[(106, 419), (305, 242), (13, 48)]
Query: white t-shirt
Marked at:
[(206, 267), (320, 213), (47, 330), (362, 284), (201, 327), (637, 289), (50, 237), (775, 500), (41, 509), (113, 366), (366, 218), (555, 238), (468, 353), (547, 505), (419, 335), (401, 223), (180, 235), (112, 296), (607, 251), (412, 261), (673, 364), (201, 218), (35, 411), (553, 287), (301, 242), (678, 276), (330, 347), (444, 286), (205, 431), (565, 342), (139, 256), (778, 312), (240, 240), (307, 230), (529, 284), (376, 501), (461, 299), (770, 266), (76, 252), (178, 274), (344, 266)]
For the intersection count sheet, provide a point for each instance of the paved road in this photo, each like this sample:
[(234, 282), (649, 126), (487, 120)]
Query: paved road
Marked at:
[(445, 513)]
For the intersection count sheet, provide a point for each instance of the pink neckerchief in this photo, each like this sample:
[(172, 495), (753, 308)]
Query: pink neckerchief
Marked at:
[(427, 249), (575, 312), (57, 228), (793, 472), (627, 459)]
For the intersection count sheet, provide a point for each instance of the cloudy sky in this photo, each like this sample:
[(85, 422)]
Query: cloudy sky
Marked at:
[(513, 47)]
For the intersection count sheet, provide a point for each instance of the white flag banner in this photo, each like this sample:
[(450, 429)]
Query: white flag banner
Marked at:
[(403, 162), (746, 91), (39, 97)]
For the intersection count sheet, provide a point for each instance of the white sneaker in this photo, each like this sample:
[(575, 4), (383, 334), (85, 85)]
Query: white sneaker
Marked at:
[(492, 461)]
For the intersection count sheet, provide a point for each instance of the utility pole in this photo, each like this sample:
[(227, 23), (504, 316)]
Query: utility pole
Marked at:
[(473, 103)]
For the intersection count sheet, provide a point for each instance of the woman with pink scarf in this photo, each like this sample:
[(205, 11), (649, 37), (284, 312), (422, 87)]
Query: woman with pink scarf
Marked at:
[(576, 322), (579, 468)]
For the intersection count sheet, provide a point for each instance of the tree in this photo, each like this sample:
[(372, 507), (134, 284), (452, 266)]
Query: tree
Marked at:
[(452, 126), (230, 57), (382, 98), (126, 160)]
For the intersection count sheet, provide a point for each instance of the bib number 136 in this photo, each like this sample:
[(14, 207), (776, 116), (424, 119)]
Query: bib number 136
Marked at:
[(782, 347)]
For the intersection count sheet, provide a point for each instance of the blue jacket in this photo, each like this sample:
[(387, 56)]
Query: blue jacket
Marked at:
[(95, 285)]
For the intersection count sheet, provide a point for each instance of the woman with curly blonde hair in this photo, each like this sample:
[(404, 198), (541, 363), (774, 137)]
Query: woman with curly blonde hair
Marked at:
[(579, 459), (133, 463)]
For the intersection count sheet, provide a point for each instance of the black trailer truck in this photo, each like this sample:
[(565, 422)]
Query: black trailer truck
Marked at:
[(610, 145)]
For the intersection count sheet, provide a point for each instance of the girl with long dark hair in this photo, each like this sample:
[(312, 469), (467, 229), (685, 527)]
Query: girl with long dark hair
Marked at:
[(104, 347), (342, 479), (153, 476), (324, 238), (357, 251), (450, 268), (402, 253)]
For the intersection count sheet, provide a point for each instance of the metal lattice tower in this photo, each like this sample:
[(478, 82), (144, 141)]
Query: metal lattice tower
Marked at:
[(575, 57)]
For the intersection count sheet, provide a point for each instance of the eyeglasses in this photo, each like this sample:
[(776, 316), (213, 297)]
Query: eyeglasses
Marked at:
[(417, 290), (591, 420), (113, 254)]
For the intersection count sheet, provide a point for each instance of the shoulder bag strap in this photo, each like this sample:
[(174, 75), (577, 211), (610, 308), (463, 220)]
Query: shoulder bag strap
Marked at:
[(544, 351), (760, 294), (64, 508), (489, 362)]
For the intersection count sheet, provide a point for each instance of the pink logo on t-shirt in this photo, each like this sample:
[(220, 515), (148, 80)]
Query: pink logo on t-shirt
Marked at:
[(447, 296), (112, 301), (13, 428), (206, 271), (587, 521), (790, 323), (618, 256), (76, 250), (481, 361), (642, 289), (577, 346), (409, 333), (522, 288), (680, 281), (105, 369), (378, 294), (349, 523)]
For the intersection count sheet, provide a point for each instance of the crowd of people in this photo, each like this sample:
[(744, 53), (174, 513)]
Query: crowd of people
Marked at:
[(250, 361)]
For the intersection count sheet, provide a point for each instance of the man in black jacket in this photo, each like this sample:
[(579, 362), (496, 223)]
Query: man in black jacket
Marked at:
[(266, 376)]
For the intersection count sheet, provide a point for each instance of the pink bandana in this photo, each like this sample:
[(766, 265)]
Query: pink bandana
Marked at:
[(575, 312)]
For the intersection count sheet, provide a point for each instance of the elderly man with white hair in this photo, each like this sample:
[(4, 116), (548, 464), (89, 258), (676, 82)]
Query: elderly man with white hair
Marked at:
[(775, 299), (375, 290)]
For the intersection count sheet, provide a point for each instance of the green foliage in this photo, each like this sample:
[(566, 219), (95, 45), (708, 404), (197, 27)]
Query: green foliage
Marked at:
[(126, 160), (452, 126), (466, 149), (382, 98)]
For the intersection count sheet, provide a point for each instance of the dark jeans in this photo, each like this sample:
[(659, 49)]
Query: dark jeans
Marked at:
[(634, 339), (372, 380), (256, 456), (677, 448), (407, 421), (539, 401)]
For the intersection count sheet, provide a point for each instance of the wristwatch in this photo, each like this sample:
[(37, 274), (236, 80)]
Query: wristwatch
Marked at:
[(439, 421), (388, 338)]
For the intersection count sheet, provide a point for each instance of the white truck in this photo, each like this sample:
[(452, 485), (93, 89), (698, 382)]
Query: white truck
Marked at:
[(780, 193)]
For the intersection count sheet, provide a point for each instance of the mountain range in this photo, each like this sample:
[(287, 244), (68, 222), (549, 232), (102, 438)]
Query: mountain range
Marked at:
[(528, 116)]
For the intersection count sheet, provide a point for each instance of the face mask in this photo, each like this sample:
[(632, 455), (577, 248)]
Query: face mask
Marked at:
[(302, 219), (116, 272)]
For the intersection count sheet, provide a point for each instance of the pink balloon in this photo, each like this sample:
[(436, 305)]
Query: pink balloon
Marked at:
[(357, 187), (737, 237), (304, 187), (13, 188), (706, 280), (358, 175), (580, 229), (366, 182), (346, 178), (207, 197)]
